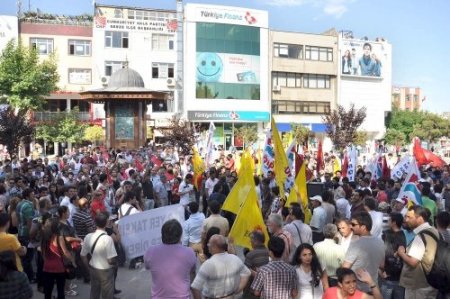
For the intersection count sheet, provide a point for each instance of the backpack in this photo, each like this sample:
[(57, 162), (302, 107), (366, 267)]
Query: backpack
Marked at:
[(439, 275)]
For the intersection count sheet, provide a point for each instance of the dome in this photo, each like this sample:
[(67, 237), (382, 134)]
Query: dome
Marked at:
[(126, 77)]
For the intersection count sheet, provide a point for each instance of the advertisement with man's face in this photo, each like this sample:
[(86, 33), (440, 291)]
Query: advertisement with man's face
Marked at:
[(362, 58)]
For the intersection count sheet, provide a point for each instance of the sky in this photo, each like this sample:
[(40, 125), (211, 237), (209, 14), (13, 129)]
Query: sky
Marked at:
[(418, 30)]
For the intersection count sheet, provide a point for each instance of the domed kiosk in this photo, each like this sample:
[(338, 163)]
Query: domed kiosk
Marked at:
[(125, 99)]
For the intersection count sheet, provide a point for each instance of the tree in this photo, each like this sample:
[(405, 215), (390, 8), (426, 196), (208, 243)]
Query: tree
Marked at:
[(394, 137), (24, 79), (94, 134), (248, 134), (361, 137), (431, 128), (301, 133), (14, 129), (404, 121), (341, 125), (65, 127), (180, 133)]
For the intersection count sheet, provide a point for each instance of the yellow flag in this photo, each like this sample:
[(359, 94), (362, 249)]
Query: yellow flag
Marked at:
[(300, 191), (260, 157), (281, 166), (247, 220), (240, 190), (237, 163), (199, 167), (336, 165)]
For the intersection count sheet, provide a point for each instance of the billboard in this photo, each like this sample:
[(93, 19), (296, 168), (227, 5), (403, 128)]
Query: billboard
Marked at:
[(227, 68), (363, 58)]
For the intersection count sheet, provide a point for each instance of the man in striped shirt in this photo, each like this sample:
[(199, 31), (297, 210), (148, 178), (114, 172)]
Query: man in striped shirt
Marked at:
[(82, 220)]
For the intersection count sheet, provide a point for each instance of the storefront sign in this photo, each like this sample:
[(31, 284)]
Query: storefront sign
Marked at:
[(238, 116)]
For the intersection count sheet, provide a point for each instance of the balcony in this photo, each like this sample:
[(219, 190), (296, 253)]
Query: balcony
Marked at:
[(47, 116)]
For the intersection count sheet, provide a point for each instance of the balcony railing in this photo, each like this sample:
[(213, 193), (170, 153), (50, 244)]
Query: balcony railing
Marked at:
[(46, 116)]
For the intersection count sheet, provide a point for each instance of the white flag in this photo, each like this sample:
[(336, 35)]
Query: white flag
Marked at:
[(209, 159), (352, 162), (268, 157)]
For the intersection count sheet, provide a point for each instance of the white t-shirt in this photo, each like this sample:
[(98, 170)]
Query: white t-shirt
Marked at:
[(209, 185), (377, 223), (124, 209), (305, 290), (104, 249), (186, 197)]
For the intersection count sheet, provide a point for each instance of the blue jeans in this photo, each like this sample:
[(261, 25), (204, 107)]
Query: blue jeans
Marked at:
[(391, 290), (149, 204)]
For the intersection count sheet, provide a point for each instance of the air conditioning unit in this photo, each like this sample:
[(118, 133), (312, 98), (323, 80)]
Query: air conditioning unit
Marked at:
[(170, 82), (105, 81), (276, 88)]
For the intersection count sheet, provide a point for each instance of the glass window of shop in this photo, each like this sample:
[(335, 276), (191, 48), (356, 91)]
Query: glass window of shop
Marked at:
[(231, 76)]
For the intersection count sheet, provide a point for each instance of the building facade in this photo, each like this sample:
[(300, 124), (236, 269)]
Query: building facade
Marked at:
[(303, 78), (9, 30), (365, 80), (145, 39), (225, 69), (407, 98), (69, 42)]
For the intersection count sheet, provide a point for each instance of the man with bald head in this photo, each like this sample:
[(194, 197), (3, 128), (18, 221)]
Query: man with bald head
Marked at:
[(222, 276)]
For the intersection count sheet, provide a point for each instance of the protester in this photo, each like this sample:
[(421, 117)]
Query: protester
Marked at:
[(170, 263), (13, 283)]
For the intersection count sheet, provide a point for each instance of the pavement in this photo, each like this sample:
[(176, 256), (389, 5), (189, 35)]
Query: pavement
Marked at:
[(135, 284)]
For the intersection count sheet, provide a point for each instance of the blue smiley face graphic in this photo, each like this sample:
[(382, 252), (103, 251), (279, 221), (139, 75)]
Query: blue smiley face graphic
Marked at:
[(209, 67)]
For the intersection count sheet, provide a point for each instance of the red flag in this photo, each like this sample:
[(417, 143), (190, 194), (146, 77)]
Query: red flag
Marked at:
[(344, 167), (156, 161), (298, 162), (432, 157), (386, 171), (418, 152), (108, 176), (139, 166), (320, 165)]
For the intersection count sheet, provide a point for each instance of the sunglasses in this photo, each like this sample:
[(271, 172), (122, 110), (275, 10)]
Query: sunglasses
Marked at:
[(354, 224)]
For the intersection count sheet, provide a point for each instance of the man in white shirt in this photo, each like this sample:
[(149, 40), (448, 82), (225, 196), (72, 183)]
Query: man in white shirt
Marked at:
[(377, 217), (342, 204), (318, 218), (186, 190), (68, 201), (128, 205), (192, 228), (101, 247)]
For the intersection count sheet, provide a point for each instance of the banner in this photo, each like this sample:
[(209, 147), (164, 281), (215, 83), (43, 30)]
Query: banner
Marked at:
[(409, 188), (401, 168), (268, 156), (140, 231), (209, 158), (352, 163)]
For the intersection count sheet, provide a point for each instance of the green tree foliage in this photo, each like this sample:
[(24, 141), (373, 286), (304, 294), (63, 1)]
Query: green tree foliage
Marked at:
[(301, 133), (431, 128), (342, 125), (248, 133), (94, 134), (14, 129), (394, 137), (65, 127), (404, 121), (24, 79), (360, 138), (425, 125)]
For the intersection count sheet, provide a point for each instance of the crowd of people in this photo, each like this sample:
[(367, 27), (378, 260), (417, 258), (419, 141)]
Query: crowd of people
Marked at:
[(58, 224)]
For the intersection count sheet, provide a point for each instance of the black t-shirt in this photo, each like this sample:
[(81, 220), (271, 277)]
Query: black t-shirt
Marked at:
[(392, 264)]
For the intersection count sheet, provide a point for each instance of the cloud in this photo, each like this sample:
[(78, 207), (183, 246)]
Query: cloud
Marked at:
[(335, 8)]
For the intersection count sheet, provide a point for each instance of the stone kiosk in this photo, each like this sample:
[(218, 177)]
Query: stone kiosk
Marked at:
[(125, 99)]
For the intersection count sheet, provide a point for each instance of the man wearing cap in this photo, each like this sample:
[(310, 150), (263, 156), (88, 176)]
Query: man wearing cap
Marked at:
[(318, 219), (400, 205)]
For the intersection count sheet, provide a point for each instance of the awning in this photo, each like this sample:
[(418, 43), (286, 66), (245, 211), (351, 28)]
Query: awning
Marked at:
[(315, 127)]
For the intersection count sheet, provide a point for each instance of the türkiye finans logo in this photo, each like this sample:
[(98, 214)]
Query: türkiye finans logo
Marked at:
[(249, 18)]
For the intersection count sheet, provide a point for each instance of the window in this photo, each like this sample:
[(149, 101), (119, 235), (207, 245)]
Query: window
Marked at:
[(162, 70), (162, 42), (116, 39), (288, 51), (316, 81), (44, 46), (80, 76), (149, 15), (79, 47), (318, 53), (286, 79), (303, 107), (112, 66)]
